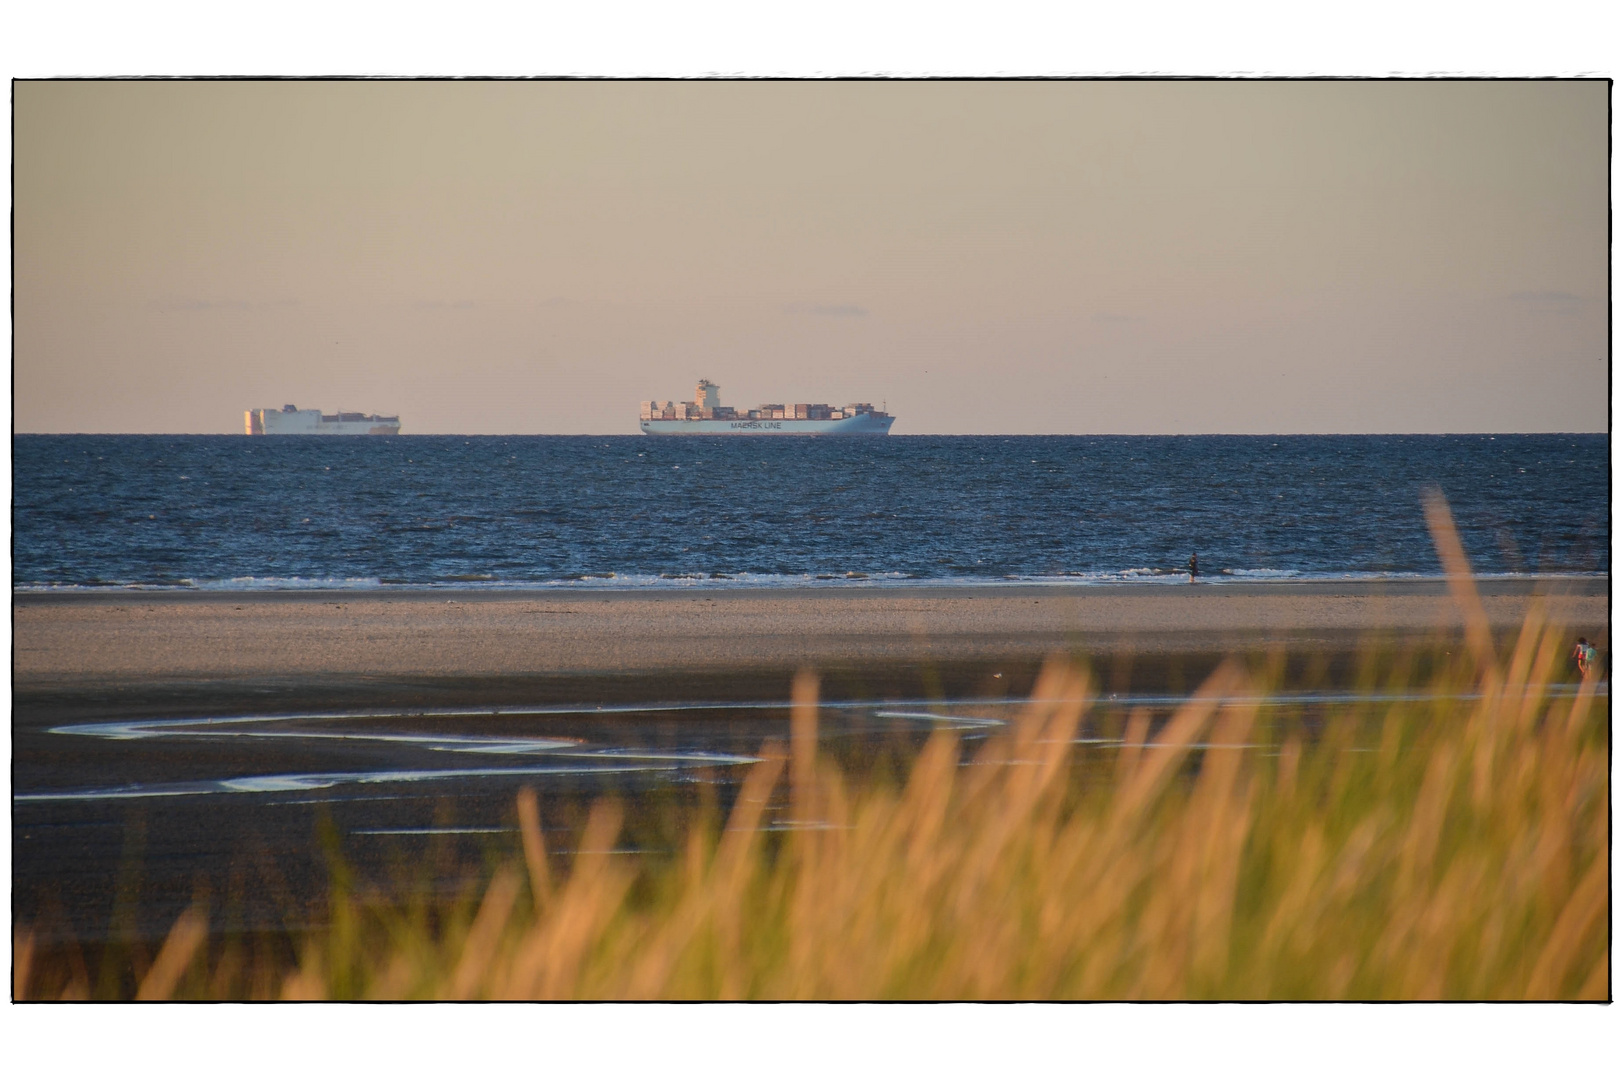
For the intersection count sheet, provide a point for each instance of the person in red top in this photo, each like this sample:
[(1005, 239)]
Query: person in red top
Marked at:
[(1584, 654)]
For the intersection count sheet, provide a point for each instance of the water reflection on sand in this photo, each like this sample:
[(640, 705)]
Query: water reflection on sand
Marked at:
[(247, 808), (574, 753)]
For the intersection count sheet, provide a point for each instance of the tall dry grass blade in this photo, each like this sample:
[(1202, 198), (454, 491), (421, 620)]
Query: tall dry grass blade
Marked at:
[(480, 945), (1056, 688), (1578, 715), (1156, 765), (803, 746), (22, 958), (1220, 808), (395, 982), (189, 932), (1425, 830), (1194, 855), (1548, 653), (1062, 725), (1461, 584), (735, 859), (535, 847), (1132, 744), (1290, 760), (549, 960), (736, 864), (1600, 977), (305, 983), (1586, 906), (928, 794), (1520, 668), (808, 895), (1009, 779), (745, 819)]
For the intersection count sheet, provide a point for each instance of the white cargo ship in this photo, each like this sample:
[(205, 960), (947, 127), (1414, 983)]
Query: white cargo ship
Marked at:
[(706, 415), (291, 420)]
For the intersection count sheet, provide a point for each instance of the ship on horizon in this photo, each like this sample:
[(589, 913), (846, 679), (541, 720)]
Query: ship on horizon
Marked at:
[(706, 415), (292, 420)]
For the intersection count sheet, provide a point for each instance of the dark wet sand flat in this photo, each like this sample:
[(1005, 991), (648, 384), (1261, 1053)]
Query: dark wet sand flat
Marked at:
[(63, 639)]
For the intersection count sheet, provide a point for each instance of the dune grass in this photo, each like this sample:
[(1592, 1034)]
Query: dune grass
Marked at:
[(1444, 845)]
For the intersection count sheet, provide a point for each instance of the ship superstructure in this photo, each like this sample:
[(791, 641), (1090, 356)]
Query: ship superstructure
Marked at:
[(291, 420), (706, 415)]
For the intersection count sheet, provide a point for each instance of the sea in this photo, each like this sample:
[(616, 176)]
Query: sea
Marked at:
[(632, 512)]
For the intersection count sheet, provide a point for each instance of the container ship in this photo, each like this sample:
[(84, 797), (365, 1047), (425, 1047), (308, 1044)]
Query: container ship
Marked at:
[(291, 420), (706, 415)]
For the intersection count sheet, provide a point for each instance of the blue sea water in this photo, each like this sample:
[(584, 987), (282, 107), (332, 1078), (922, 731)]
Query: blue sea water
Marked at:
[(222, 512)]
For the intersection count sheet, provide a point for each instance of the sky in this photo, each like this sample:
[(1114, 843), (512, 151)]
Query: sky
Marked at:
[(1065, 257)]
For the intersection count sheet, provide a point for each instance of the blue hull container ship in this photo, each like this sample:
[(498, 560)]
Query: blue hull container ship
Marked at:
[(706, 415)]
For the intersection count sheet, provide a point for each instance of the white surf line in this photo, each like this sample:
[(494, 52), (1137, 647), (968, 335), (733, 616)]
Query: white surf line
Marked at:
[(479, 744), (802, 826), (151, 729), (448, 831), (1558, 691), (1190, 746), (711, 757), (614, 851), (1118, 743), (451, 743), (896, 709), (959, 721), (271, 784), (143, 729)]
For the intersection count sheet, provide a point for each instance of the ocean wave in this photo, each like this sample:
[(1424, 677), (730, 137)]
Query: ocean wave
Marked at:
[(254, 583)]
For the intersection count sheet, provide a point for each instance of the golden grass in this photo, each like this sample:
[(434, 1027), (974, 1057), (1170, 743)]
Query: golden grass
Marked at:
[(1448, 848)]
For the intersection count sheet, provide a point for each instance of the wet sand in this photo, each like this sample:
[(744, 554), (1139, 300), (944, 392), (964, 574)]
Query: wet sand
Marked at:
[(94, 638)]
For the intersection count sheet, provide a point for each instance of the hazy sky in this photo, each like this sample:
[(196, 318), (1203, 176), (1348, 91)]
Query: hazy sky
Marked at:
[(1030, 257)]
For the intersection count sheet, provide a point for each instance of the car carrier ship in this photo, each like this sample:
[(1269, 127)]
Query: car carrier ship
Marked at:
[(291, 420), (706, 415)]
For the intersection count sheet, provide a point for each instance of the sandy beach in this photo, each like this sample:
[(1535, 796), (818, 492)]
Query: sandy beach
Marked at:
[(94, 637)]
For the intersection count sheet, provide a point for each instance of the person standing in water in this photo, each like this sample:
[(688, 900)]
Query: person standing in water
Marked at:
[(1194, 566)]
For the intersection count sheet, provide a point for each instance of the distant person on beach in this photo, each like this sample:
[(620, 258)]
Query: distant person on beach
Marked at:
[(1194, 566), (1584, 654)]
